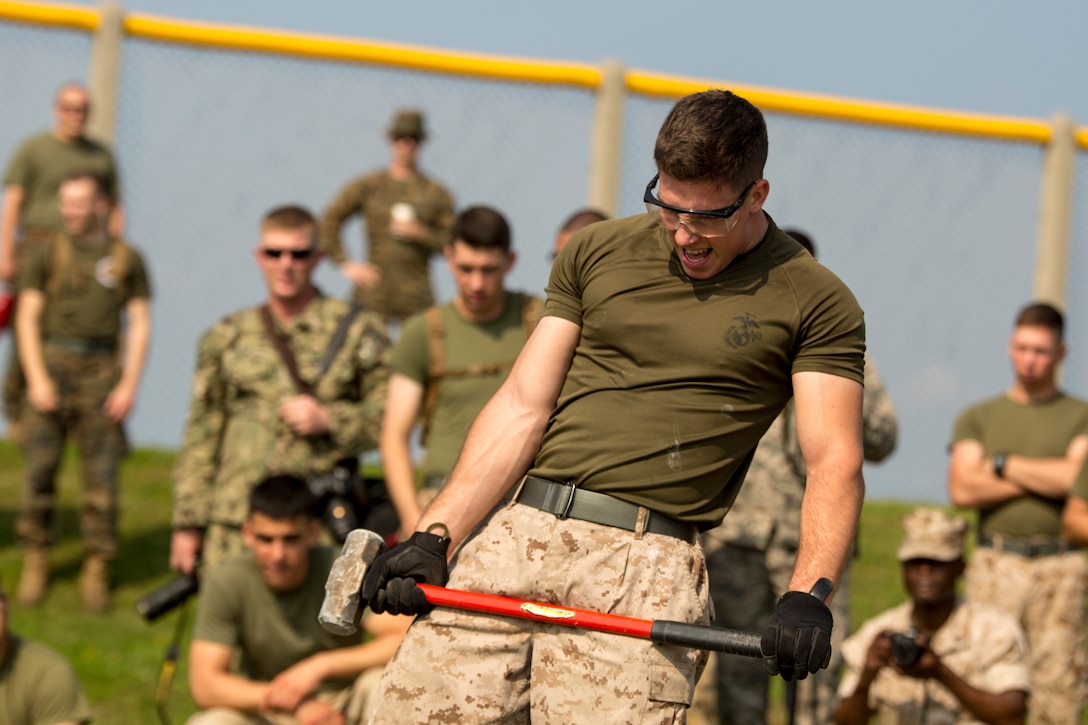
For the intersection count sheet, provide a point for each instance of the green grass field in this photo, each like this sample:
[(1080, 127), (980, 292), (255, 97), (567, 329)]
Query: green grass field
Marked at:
[(118, 656)]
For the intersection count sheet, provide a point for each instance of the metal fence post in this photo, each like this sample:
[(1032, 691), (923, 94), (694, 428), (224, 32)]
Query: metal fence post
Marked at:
[(1055, 213), (105, 72), (606, 142)]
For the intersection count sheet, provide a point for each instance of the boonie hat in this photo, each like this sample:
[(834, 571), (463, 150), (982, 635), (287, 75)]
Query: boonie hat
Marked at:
[(407, 123), (932, 534)]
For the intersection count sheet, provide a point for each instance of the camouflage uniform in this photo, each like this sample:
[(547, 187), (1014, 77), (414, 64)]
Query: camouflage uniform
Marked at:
[(405, 287), (37, 167), (980, 643), (484, 661), (234, 436), (83, 365), (751, 556)]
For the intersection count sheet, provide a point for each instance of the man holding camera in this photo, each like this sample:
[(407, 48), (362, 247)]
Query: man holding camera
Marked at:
[(936, 658), (294, 386), (263, 605)]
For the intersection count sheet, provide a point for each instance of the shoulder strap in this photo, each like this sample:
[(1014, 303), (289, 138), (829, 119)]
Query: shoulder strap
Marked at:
[(121, 254), (530, 313), (337, 341), (436, 359), (59, 264), (285, 352)]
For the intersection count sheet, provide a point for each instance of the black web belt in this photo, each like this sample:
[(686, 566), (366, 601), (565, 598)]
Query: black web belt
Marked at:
[(566, 501), (1026, 547)]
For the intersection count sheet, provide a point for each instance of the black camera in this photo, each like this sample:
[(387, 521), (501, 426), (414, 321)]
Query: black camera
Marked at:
[(905, 651), (338, 495), (167, 597)]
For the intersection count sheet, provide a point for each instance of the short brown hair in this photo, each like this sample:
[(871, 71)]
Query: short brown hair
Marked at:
[(290, 217), (482, 227), (714, 136), (101, 188), (1041, 314)]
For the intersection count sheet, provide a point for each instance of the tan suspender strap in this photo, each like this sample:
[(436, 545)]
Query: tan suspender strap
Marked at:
[(436, 356), (60, 266)]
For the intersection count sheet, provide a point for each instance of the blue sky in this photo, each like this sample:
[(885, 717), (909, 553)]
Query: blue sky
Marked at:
[(1003, 58)]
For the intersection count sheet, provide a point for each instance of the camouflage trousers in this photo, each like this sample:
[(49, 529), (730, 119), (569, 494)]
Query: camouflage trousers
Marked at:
[(467, 667), (1047, 596), (355, 703), (83, 381), (745, 583)]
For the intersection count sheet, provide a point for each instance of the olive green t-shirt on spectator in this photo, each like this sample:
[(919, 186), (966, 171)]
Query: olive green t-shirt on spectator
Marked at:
[(1036, 430), (271, 630), (42, 162), (88, 306)]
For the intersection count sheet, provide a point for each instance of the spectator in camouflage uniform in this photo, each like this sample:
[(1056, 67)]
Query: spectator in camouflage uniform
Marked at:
[(751, 555), (248, 420), (1015, 458), (408, 218), (967, 663), (30, 213), (74, 291)]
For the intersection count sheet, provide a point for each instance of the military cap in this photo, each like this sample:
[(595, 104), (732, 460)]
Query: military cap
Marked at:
[(932, 534), (407, 123)]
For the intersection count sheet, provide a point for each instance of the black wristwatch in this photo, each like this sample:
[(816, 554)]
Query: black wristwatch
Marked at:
[(1000, 459)]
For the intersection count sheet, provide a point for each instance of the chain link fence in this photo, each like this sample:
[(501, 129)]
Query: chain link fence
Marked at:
[(933, 232)]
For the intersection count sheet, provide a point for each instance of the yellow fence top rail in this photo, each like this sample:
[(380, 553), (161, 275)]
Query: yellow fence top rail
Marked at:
[(496, 67), (844, 109), (71, 16), (346, 49)]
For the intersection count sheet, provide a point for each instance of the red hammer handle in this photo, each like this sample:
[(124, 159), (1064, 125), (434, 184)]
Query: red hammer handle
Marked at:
[(659, 631)]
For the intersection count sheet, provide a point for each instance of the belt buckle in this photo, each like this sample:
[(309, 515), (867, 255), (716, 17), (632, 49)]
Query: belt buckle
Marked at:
[(564, 513)]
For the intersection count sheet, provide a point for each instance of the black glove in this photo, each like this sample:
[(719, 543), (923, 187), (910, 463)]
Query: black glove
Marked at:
[(797, 640), (390, 585)]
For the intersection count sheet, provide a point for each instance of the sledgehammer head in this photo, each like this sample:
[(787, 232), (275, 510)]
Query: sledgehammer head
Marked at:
[(342, 608)]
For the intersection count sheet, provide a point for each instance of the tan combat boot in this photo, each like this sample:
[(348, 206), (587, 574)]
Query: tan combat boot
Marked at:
[(35, 577), (94, 584)]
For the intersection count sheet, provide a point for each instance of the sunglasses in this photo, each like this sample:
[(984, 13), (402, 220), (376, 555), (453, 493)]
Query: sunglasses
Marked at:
[(296, 254)]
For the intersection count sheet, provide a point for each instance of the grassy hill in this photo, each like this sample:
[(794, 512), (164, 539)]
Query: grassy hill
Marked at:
[(118, 655)]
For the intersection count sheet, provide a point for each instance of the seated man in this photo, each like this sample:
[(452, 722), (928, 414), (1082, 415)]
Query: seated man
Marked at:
[(936, 658), (37, 686), (263, 605)]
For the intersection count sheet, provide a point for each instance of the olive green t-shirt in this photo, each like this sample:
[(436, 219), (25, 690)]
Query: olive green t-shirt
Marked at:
[(42, 162), (39, 687), (675, 380), (272, 630), (87, 305), (460, 397), (1037, 430)]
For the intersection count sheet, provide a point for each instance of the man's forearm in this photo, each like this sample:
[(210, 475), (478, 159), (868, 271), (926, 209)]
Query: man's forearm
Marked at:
[(854, 709), (1004, 708), (400, 477), (499, 448), (1051, 477), (137, 341), (829, 515), (29, 336)]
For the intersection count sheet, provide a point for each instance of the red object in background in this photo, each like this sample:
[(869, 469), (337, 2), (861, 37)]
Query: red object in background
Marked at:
[(7, 304)]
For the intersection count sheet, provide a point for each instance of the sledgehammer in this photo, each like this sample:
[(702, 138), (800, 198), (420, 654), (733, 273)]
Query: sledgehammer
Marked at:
[(342, 608)]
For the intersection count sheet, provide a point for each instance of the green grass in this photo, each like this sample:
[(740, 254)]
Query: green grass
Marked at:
[(118, 655)]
